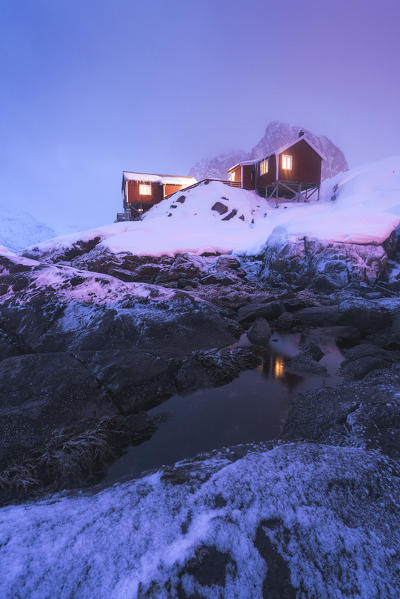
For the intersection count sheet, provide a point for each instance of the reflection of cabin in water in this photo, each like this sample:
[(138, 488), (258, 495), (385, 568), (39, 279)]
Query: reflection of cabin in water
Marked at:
[(292, 172), (141, 191)]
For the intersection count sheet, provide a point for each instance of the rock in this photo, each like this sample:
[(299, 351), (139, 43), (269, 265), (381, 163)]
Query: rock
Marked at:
[(182, 324), (364, 315), (41, 393), (219, 279), (318, 316), (226, 262), (324, 266), (212, 368), (147, 273), (362, 359), (284, 322), (313, 350), (305, 363), (364, 414), (249, 521), (70, 458), (220, 208), (260, 332), (136, 379), (341, 334), (230, 215), (270, 311)]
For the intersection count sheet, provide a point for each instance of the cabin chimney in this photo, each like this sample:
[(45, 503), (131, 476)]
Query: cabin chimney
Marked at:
[(300, 133)]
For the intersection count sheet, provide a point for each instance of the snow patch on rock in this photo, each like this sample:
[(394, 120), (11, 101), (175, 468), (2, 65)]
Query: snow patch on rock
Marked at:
[(297, 519)]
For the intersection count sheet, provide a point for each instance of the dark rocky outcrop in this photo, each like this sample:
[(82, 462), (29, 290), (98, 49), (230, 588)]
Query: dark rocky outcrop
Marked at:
[(364, 414), (323, 266)]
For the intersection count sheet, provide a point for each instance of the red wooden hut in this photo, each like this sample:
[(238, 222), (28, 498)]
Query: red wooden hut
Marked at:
[(293, 171), (140, 191)]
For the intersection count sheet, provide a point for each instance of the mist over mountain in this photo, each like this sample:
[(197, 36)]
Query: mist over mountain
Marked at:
[(276, 134)]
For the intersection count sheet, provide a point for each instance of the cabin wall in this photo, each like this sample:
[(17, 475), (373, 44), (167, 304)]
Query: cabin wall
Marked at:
[(248, 177), (306, 164), (134, 196), (171, 189), (263, 180)]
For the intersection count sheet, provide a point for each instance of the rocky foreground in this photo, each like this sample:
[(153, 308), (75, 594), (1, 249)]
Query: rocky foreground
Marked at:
[(91, 340)]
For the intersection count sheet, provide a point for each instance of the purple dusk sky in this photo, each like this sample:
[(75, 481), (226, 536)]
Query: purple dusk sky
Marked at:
[(92, 87)]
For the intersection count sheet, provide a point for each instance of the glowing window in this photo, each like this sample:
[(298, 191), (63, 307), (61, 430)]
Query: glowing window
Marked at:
[(287, 162), (264, 166), (233, 176), (144, 189)]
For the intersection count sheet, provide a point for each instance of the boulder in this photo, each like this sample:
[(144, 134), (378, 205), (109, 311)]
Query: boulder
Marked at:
[(365, 315), (318, 316), (220, 208), (284, 322), (270, 311), (363, 414), (260, 332), (363, 358)]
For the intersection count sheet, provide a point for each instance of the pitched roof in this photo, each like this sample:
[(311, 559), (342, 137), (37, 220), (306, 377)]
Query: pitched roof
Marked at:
[(280, 150), (158, 178), (292, 143)]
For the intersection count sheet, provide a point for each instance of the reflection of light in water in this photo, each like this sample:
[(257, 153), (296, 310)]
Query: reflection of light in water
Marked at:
[(278, 367)]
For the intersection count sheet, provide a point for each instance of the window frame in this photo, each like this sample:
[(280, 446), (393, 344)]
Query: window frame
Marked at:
[(145, 189), (264, 167), (287, 162)]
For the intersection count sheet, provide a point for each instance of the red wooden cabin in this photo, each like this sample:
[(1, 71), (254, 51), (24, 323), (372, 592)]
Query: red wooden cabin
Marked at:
[(140, 191), (293, 171)]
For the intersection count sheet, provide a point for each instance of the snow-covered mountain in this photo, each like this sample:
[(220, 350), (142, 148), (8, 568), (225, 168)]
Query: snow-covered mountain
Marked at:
[(19, 229), (276, 134)]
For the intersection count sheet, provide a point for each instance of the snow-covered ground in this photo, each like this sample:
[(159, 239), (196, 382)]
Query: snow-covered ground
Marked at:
[(299, 516), (361, 206)]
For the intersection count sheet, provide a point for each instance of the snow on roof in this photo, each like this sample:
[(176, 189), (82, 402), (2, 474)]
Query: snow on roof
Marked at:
[(243, 163), (157, 178)]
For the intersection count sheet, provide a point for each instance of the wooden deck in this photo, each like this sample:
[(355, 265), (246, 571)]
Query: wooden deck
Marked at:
[(292, 191)]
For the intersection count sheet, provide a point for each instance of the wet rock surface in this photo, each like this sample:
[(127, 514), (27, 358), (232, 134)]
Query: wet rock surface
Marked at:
[(358, 414)]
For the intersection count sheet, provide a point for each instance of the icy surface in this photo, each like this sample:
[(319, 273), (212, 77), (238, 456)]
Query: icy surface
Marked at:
[(316, 521), (361, 206)]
